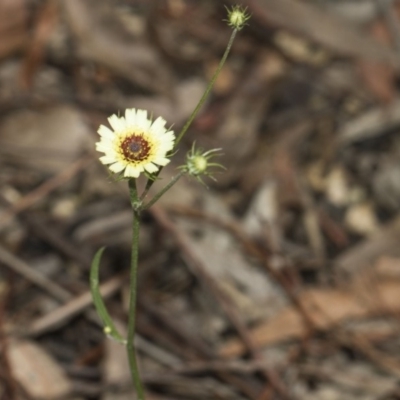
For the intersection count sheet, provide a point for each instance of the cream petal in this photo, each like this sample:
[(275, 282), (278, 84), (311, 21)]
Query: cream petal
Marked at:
[(104, 147), (130, 116), (108, 159), (167, 138), (151, 168), (166, 145), (170, 134), (132, 171), (162, 161), (117, 167), (105, 132), (117, 123), (163, 149), (142, 121), (105, 142), (166, 142), (157, 128), (142, 116), (158, 125)]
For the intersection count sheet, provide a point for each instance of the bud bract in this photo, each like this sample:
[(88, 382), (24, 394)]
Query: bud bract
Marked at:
[(237, 17)]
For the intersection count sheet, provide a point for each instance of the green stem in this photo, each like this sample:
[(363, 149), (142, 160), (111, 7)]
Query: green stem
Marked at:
[(133, 293), (208, 90), (196, 110), (164, 189)]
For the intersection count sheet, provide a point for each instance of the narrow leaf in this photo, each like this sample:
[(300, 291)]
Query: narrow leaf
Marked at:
[(109, 327)]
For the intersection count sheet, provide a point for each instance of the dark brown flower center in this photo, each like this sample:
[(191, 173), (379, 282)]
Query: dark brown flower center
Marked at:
[(135, 148)]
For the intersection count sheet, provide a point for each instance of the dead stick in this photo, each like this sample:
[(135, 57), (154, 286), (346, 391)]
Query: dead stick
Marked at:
[(42, 190)]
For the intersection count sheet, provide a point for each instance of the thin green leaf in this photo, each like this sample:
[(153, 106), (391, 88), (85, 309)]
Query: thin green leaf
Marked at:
[(109, 327)]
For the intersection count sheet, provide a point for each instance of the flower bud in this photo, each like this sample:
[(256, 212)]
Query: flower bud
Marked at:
[(198, 162), (237, 17)]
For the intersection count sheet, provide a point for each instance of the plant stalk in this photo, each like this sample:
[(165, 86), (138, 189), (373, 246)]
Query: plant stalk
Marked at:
[(208, 90), (164, 189), (133, 294)]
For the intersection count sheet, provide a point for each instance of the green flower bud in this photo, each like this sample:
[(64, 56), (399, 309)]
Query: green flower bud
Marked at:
[(198, 163), (237, 17)]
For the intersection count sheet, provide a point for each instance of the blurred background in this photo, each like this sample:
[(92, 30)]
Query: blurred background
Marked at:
[(279, 281)]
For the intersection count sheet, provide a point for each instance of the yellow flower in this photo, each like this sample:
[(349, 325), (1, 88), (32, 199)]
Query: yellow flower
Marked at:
[(135, 144)]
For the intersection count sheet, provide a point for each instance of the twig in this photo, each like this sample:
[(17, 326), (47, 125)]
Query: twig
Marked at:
[(72, 308), (44, 189), (226, 305), (10, 386), (32, 275), (386, 9), (253, 250)]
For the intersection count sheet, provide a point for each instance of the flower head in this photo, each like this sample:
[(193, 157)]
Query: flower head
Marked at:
[(135, 144), (237, 17), (198, 162)]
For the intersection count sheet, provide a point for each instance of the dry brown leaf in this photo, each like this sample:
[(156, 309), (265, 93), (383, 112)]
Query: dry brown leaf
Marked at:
[(326, 307), (38, 140), (361, 219), (220, 255), (35, 54), (370, 124), (100, 37), (13, 26), (384, 242), (324, 28), (36, 371), (380, 78), (388, 268)]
